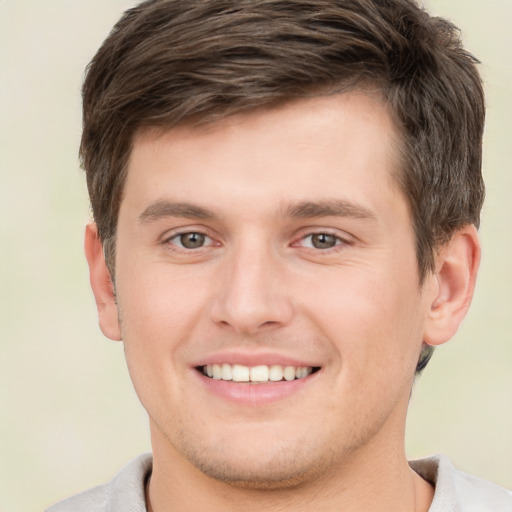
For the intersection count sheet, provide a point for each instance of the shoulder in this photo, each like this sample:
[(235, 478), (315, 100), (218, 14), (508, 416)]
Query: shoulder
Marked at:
[(459, 491), (125, 492), (93, 500)]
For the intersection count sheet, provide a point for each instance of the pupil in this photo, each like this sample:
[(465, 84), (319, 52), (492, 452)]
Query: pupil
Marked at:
[(192, 240), (323, 241)]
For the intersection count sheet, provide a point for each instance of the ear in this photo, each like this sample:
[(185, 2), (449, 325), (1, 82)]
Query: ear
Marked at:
[(456, 269), (102, 285)]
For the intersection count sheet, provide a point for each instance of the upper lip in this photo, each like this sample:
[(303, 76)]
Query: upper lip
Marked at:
[(254, 359)]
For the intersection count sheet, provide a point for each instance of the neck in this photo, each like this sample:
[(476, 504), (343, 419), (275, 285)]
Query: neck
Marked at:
[(377, 478)]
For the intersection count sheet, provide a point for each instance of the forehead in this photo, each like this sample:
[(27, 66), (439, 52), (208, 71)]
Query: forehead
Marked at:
[(310, 146), (318, 110)]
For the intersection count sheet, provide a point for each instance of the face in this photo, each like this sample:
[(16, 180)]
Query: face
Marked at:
[(268, 291)]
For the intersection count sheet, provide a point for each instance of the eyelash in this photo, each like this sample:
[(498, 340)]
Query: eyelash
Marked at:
[(178, 244), (339, 242), (177, 236)]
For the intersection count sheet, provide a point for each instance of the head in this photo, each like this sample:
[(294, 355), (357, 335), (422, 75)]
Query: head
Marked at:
[(342, 261)]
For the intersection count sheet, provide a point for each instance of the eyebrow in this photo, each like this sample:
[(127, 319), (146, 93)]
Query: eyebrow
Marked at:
[(162, 209), (333, 207), (301, 210)]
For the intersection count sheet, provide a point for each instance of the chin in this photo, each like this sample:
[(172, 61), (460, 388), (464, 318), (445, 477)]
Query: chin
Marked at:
[(279, 473), (253, 465)]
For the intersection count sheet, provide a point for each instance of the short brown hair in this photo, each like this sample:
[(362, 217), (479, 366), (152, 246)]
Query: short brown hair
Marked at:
[(171, 62)]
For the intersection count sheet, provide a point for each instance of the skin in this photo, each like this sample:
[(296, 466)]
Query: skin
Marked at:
[(259, 287)]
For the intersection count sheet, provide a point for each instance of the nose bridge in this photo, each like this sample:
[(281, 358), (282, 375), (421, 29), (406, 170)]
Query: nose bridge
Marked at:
[(252, 292)]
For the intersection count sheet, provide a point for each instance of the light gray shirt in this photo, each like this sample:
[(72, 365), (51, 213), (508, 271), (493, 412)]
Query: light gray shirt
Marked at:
[(455, 491)]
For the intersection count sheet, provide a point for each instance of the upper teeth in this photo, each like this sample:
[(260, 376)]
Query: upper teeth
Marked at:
[(262, 373)]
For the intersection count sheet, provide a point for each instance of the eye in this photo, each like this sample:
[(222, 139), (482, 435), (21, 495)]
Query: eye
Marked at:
[(190, 240), (321, 241)]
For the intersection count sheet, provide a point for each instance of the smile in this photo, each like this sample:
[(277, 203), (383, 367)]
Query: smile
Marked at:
[(260, 373)]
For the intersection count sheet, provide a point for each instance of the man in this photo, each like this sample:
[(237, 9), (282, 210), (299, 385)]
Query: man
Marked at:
[(286, 196)]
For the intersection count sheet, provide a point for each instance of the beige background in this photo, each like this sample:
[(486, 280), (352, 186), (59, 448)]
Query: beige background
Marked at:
[(68, 415)]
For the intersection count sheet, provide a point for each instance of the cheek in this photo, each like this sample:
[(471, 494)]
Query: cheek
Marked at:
[(156, 324), (373, 322), (158, 301), (159, 313)]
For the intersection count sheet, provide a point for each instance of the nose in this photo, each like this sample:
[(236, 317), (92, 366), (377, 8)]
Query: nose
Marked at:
[(252, 292)]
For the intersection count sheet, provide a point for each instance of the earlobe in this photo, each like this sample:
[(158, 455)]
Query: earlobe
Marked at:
[(456, 270), (101, 284)]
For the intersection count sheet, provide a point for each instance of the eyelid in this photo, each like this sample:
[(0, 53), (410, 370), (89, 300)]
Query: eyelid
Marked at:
[(166, 238), (341, 239), (180, 244)]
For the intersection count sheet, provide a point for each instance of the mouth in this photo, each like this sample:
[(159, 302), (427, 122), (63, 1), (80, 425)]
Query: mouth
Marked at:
[(255, 374)]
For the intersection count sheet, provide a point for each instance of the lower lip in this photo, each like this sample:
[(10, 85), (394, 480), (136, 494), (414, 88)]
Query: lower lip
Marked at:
[(252, 393)]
